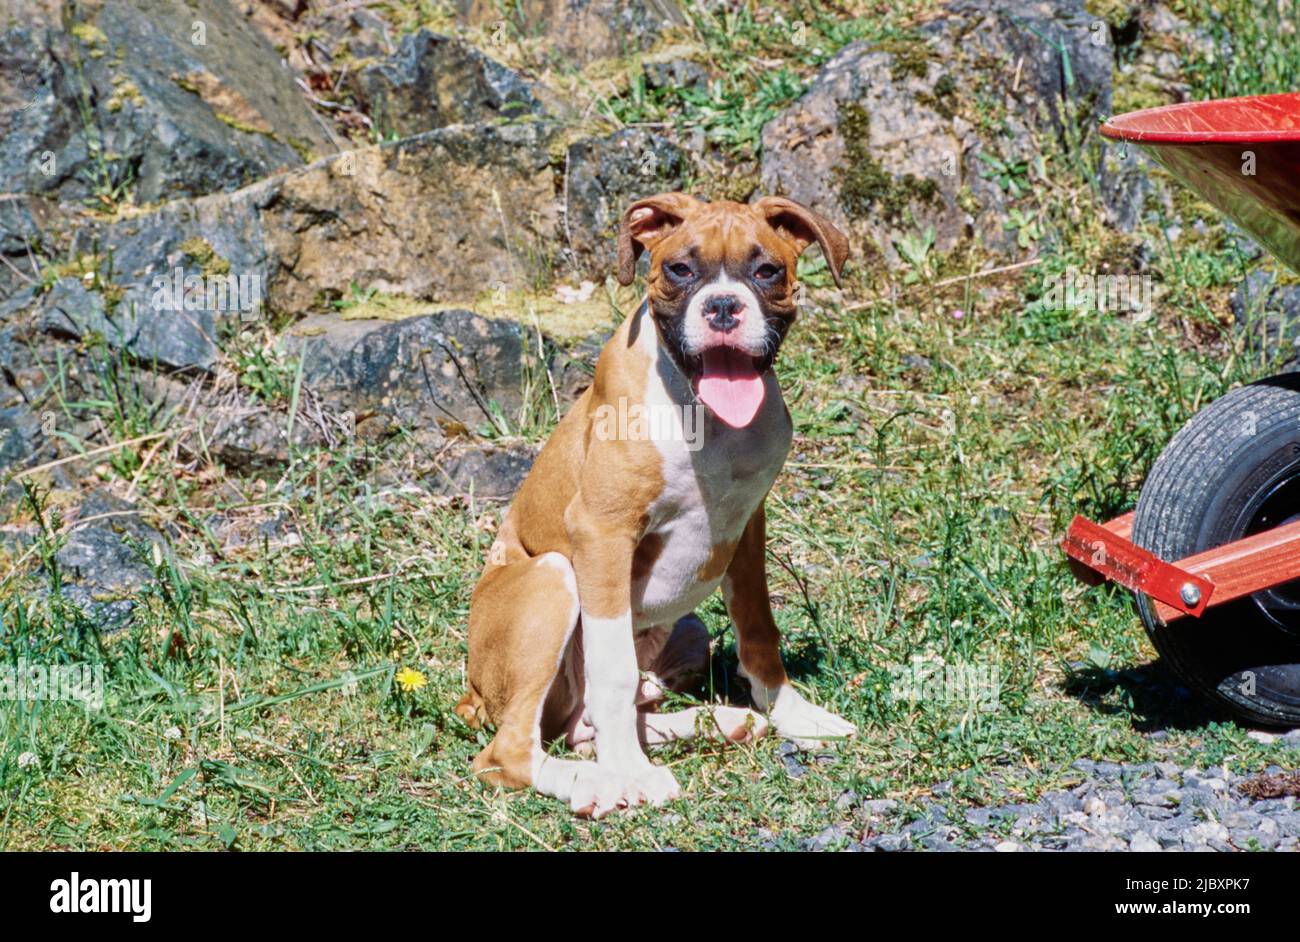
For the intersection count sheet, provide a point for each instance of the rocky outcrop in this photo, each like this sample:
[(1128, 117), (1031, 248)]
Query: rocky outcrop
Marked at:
[(443, 215), (146, 101), (433, 81), (376, 219), (890, 138), (449, 369), (602, 176)]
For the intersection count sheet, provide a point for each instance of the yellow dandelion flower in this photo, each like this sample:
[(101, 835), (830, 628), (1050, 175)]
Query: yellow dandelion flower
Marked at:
[(410, 680)]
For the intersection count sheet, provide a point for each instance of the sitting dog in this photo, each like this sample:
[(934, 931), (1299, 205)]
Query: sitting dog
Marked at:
[(648, 495)]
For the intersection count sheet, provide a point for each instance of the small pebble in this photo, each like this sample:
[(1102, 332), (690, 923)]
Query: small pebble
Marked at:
[(1144, 843)]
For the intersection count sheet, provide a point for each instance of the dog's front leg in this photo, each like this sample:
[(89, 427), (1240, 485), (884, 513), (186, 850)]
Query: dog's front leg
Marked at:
[(744, 586), (602, 562)]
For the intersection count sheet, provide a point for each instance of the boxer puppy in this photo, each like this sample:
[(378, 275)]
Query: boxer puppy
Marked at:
[(647, 497)]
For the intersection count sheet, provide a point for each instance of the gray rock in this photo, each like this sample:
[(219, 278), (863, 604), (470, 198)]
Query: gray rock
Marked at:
[(884, 144), (22, 440), (104, 564), (172, 338), (889, 842), (433, 81), (1161, 793), (32, 227), (448, 367), (488, 472), (149, 99), (603, 175), (880, 806), (1144, 843), (1107, 770), (832, 836), (1156, 813), (793, 767), (1124, 184), (1199, 798)]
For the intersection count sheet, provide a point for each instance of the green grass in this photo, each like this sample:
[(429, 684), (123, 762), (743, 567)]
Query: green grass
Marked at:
[(252, 704)]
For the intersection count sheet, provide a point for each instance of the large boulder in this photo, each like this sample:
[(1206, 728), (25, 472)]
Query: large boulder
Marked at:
[(452, 369), (104, 564), (433, 81), (149, 99), (169, 337), (443, 215), (890, 138), (603, 175), (577, 32)]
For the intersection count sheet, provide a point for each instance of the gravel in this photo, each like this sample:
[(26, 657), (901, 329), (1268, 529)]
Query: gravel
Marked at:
[(1145, 807)]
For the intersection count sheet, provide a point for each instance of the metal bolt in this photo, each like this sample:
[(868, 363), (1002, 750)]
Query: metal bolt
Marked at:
[(1190, 594)]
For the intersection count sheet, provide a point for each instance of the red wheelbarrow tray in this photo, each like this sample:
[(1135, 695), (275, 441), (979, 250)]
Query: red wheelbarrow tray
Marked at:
[(1242, 155)]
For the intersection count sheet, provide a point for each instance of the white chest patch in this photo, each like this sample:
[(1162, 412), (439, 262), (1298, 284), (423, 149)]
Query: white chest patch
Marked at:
[(714, 481)]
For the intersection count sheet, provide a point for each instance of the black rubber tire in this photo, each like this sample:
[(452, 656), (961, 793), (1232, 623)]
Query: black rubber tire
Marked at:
[(1233, 470)]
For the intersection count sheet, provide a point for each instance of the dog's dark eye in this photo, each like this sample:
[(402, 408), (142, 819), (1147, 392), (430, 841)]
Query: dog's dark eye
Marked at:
[(766, 272), (680, 269)]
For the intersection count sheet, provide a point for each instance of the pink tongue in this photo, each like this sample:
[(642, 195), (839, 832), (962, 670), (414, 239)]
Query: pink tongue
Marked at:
[(730, 386)]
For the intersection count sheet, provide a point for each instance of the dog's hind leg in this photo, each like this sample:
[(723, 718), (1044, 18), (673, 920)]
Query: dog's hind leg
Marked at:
[(676, 658), (672, 657), (722, 723), (523, 620)]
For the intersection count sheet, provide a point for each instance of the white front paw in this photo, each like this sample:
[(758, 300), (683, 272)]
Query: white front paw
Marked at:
[(597, 791), (652, 785), (807, 725)]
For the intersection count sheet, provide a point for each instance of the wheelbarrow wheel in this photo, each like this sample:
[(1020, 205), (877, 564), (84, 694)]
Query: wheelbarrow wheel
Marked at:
[(1232, 471)]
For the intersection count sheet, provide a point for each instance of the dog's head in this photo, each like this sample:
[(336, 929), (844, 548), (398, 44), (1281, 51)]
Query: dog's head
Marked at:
[(722, 286)]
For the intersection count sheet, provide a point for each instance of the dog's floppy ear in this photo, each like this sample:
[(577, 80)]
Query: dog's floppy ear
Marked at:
[(801, 227), (646, 222)]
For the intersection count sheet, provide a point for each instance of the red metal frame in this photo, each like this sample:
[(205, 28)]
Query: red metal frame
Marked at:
[(1243, 156), (1219, 575)]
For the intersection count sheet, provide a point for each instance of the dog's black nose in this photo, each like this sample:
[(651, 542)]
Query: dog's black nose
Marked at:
[(721, 312)]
